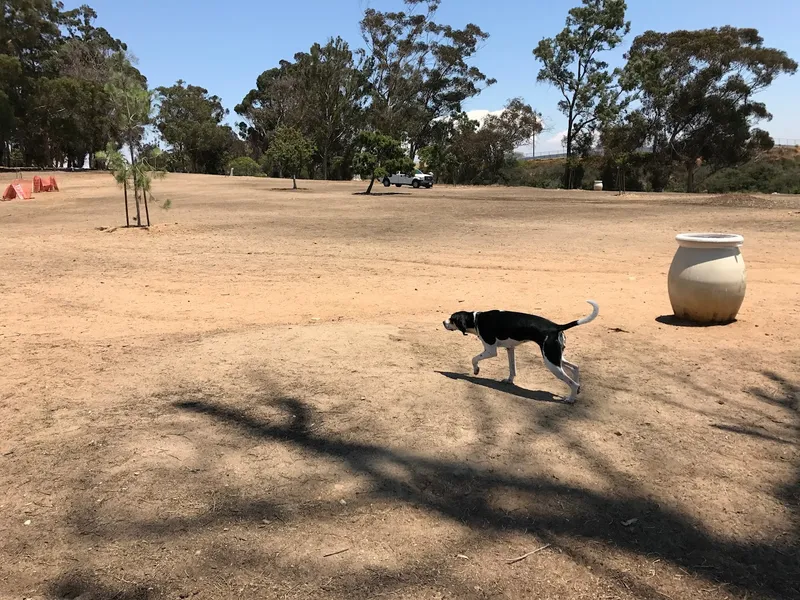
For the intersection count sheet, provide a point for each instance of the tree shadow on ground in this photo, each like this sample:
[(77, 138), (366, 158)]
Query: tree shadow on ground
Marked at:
[(76, 585), (788, 399), (752, 432), (566, 514), (499, 386), (381, 194)]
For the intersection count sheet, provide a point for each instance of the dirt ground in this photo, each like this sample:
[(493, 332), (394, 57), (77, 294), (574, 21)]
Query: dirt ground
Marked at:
[(255, 398)]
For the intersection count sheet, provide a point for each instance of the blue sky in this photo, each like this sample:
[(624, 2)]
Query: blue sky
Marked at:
[(225, 46)]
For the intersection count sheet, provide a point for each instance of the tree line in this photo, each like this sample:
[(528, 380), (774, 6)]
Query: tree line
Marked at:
[(70, 91)]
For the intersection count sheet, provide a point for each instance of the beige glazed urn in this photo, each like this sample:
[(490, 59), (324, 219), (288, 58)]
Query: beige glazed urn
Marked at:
[(707, 278)]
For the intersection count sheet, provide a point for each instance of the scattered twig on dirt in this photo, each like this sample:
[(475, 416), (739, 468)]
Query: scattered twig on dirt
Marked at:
[(384, 594), (335, 553), (511, 561), (183, 435), (170, 455), (618, 330)]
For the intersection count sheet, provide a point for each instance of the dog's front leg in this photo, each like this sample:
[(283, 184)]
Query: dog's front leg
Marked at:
[(488, 352), (512, 366), (556, 370)]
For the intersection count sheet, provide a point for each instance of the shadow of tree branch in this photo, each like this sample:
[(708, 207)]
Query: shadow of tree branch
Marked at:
[(467, 494)]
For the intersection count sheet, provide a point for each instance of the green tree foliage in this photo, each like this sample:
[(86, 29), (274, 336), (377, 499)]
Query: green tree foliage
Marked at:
[(379, 155), (777, 171), (290, 152), (90, 55), (322, 93), (621, 140), (571, 62), (190, 121), (470, 152), (696, 90), (334, 91), (54, 65), (244, 166), (273, 103), (418, 70), (29, 35)]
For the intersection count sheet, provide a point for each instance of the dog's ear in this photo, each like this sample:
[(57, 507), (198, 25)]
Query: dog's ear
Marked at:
[(460, 321)]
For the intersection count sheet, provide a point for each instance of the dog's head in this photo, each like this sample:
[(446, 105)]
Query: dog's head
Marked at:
[(460, 321)]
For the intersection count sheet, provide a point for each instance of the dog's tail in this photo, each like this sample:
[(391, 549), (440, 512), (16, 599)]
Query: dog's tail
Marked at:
[(584, 320)]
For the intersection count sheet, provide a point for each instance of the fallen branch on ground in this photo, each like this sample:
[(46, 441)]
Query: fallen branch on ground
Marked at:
[(511, 561)]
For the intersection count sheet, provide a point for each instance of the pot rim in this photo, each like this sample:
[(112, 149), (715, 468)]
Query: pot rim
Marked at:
[(710, 240)]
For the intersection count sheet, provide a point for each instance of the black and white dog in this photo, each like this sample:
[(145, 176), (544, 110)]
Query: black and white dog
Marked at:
[(501, 329)]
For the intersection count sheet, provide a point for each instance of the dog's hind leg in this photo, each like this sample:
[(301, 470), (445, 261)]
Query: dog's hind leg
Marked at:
[(512, 366), (576, 372), (488, 352), (559, 372), (551, 353)]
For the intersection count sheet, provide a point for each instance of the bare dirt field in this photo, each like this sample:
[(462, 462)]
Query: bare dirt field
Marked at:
[(255, 398)]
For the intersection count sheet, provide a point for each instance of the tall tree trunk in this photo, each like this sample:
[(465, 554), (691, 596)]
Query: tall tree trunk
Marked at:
[(325, 164), (568, 169), (294, 182), (690, 166), (371, 183)]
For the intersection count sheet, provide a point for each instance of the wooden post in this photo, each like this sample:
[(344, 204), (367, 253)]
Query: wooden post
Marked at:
[(135, 186), (125, 189), (146, 210)]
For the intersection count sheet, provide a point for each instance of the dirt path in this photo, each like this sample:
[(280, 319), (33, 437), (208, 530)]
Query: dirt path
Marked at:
[(256, 398)]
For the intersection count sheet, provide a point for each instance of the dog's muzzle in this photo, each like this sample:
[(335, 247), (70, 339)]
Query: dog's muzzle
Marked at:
[(449, 326)]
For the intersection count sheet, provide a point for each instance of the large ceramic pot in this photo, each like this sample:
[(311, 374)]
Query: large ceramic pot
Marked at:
[(707, 277), (598, 185)]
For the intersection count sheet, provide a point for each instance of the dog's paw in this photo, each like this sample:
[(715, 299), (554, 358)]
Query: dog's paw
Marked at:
[(578, 391), (569, 400), (508, 381), (476, 369)]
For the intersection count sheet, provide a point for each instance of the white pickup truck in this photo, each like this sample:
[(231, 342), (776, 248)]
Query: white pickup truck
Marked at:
[(415, 179)]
